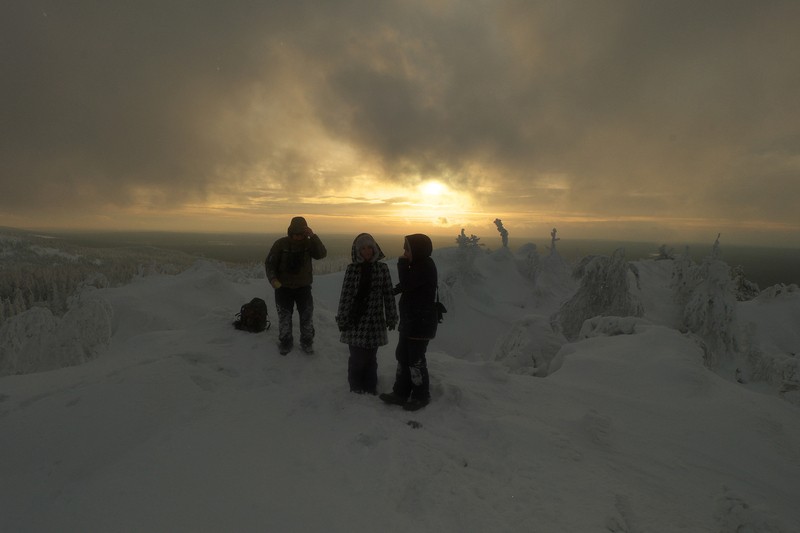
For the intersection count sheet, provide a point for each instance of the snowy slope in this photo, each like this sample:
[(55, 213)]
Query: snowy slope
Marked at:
[(181, 423)]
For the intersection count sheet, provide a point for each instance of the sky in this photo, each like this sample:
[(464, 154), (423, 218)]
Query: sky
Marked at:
[(666, 121), (172, 420)]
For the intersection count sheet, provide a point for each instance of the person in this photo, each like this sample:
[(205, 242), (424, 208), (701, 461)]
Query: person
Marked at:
[(418, 280), (289, 271), (366, 310)]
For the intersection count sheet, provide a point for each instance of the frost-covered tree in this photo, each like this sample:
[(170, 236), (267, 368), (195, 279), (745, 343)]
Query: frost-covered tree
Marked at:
[(604, 291), (710, 310), (468, 249), (553, 239), (503, 231), (467, 242), (41, 274), (664, 253), (716, 252), (684, 278), (36, 340), (528, 261), (745, 289)]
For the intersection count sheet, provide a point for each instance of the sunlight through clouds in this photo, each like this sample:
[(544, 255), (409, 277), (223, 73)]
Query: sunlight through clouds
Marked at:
[(447, 113)]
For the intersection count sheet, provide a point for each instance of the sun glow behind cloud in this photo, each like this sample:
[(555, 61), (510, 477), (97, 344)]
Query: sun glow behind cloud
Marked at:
[(435, 202), (365, 200)]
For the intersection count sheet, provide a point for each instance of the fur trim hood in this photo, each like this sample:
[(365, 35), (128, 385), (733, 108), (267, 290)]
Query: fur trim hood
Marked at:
[(365, 239)]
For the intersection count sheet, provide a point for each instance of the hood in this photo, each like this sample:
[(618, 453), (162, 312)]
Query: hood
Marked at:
[(297, 225), (365, 239), (420, 246)]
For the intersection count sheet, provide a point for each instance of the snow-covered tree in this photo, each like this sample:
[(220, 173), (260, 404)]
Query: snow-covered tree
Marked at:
[(744, 288), (503, 231), (468, 249), (684, 274), (529, 347), (716, 252), (664, 253), (467, 242), (710, 310), (553, 239), (528, 261), (604, 291)]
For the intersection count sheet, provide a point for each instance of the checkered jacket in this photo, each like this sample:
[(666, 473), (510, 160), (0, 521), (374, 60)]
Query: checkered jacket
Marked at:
[(381, 312)]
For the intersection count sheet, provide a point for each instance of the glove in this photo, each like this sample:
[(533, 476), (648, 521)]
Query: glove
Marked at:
[(391, 326), (276, 284)]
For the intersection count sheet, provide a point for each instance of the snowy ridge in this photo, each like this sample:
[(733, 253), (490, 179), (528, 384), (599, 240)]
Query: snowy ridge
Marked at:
[(175, 421)]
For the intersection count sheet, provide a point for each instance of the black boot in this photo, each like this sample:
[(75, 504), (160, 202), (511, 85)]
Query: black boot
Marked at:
[(392, 398), (415, 404)]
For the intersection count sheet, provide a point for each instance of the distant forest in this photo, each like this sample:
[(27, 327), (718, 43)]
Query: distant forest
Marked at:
[(47, 270)]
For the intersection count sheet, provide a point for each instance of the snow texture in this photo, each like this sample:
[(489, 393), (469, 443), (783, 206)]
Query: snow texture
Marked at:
[(143, 409)]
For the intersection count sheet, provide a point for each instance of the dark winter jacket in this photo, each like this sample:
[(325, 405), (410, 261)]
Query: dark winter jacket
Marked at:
[(289, 261), (366, 303), (418, 280)]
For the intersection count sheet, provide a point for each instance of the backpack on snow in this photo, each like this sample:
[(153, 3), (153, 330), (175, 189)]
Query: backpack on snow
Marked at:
[(253, 316)]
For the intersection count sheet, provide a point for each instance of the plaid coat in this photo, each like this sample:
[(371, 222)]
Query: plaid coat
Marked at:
[(366, 329)]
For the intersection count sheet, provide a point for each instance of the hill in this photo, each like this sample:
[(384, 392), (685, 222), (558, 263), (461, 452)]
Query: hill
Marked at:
[(155, 414)]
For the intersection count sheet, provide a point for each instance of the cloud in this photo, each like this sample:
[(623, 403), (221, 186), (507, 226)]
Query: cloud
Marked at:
[(639, 109)]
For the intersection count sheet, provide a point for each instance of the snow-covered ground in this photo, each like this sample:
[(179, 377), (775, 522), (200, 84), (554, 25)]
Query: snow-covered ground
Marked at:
[(178, 422)]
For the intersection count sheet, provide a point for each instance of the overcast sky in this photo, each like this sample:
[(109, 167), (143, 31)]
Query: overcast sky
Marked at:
[(629, 119)]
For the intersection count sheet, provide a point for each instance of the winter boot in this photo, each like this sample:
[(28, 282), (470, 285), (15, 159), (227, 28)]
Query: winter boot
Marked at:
[(392, 398), (285, 347), (415, 404)]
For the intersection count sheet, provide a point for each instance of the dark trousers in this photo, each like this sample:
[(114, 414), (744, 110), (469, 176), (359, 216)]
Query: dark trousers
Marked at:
[(411, 379), (285, 300), (362, 369)]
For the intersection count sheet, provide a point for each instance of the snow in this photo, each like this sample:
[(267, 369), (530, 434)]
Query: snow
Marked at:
[(155, 414)]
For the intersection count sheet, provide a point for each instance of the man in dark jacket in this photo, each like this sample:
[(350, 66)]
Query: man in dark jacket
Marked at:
[(418, 280), (289, 271)]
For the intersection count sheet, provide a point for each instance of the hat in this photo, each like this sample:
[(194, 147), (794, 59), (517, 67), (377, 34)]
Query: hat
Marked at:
[(298, 225)]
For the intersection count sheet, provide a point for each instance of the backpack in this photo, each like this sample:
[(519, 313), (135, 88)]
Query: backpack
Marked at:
[(253, 316)]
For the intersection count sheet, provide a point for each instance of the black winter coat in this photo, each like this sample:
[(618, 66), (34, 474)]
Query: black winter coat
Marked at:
[(418, 280), (289, 261)]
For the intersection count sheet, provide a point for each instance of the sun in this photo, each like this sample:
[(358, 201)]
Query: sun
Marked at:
[(433, 188), (437, 203)]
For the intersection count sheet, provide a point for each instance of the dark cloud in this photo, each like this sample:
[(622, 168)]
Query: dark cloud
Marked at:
[(638, 108)]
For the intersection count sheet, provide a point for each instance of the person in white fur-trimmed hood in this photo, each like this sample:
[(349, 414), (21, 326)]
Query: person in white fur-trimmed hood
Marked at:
[(366, 310)]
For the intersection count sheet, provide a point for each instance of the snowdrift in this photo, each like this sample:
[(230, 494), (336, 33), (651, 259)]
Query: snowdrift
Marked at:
[(155, 414)]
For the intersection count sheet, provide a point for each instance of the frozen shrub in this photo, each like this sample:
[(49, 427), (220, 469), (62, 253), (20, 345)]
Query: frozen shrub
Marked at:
[(745, 289), (529, 347), (528, 261), (684, 278), (36, 340), (710, 310), (604, 291)]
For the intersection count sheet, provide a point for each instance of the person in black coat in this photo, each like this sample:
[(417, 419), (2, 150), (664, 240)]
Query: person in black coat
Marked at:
[(418, 280)]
